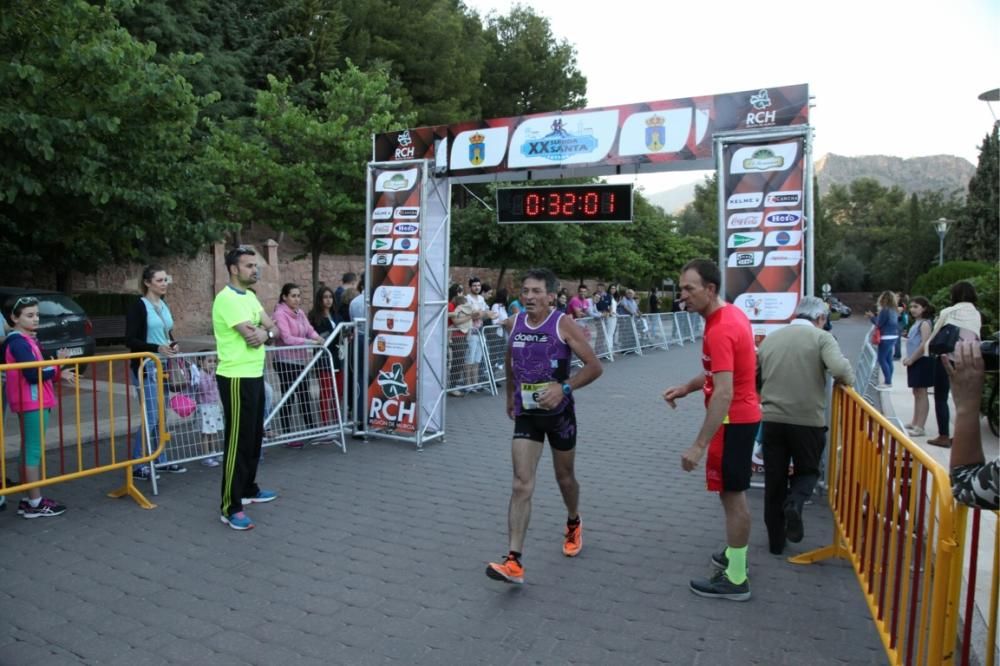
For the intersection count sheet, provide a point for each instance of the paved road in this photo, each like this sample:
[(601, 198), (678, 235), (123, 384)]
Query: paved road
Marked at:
[(377, 556)]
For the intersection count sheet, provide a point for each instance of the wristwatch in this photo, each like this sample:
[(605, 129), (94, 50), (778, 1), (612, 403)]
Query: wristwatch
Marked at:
[(567, 389), (270, 334)]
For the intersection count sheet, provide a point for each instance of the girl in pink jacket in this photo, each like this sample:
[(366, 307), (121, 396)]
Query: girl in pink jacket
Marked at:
[(30, 395), (294, 330)]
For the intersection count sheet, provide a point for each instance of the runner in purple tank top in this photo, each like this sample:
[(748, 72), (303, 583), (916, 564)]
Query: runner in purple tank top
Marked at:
[(541, 343)]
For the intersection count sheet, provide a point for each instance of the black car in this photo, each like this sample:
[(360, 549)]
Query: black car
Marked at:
[(62, 322), (836, 305)]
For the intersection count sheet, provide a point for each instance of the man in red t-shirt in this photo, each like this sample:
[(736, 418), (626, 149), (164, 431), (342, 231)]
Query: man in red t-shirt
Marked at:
[(731, 420)]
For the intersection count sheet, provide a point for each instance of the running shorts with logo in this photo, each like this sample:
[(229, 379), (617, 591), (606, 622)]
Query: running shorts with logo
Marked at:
[(560, 428)]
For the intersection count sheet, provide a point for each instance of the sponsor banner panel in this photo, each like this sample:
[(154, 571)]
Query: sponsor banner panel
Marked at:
[(662, 131), (393, 325), (763, 233)]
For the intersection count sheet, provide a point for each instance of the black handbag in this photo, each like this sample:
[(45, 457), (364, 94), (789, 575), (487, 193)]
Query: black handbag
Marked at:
[(944, 340)]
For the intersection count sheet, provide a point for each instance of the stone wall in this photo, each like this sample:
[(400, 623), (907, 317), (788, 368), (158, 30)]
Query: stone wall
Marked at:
[(195, 281)]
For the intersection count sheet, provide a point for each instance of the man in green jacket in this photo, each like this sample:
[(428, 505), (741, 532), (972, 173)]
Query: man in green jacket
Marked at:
[(794, 362)]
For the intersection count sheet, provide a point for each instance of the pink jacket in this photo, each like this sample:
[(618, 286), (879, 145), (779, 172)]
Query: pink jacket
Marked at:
[(293, 329), (22, 395)]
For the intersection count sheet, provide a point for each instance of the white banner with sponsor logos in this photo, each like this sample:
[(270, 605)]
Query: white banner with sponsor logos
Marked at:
[(762, 240), (393, 282)]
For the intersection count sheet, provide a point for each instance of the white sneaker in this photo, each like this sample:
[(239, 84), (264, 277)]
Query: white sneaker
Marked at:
[(210, 462)]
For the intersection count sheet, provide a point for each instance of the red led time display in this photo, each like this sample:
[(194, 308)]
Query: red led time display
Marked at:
[(565, 203)]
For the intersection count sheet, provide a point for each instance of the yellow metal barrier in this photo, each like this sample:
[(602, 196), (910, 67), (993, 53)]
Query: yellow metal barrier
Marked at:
[(98, 399), (895, 521), (912, 546)]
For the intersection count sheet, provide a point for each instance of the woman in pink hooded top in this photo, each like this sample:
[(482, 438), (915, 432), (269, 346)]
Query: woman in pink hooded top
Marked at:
[(294, 330), (30, 395)]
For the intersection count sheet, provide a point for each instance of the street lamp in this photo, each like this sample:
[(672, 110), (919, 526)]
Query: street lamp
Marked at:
[(941, 227)]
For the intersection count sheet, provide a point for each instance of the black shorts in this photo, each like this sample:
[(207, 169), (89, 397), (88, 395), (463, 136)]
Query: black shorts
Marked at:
[(561, 428), (728, 467)]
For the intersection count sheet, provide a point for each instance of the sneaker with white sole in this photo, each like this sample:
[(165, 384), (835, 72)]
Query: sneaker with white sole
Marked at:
[(720, 587), (238, 521), (47, 508), (262, 497), (142, 473), (171, 468), (210, 462)]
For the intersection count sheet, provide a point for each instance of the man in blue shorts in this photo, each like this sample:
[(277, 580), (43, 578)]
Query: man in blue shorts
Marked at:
[(540, 346)]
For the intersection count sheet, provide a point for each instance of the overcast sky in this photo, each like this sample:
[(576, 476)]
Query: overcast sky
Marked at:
[(888, 77)]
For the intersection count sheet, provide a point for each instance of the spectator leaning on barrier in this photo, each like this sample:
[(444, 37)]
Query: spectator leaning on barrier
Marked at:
[(579, 305), (482, 315), (294, 330), (30, 395), (973, 481), (241, 328), (149, 327), (322, 319), (793, 364)]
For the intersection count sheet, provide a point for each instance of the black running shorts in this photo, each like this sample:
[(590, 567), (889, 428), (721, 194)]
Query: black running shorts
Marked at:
[(560, 428)]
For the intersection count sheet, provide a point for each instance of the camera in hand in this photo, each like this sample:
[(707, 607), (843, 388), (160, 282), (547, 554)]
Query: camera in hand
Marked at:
[(944, 343)]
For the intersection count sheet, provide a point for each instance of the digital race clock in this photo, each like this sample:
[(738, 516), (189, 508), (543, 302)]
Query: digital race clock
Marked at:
[(565, 203)]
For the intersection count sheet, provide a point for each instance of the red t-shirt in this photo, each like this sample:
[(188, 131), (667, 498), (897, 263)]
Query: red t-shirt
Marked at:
[(455, 333), (728, 347)]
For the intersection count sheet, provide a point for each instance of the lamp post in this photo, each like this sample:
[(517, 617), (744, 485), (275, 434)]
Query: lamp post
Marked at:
[(941, 227)]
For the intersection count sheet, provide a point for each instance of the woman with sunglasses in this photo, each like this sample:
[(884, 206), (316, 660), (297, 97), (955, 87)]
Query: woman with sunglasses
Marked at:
[(30, 395), (149, 327)]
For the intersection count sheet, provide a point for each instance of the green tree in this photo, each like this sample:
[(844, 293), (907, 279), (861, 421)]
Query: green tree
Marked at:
[(434, 49), (220, 33), (478, 240), (302, 170), (700, 218), (530, 71), (96, 158), (975, 236)]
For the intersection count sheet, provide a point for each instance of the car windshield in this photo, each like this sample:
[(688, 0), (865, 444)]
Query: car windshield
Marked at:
[(56, 305)]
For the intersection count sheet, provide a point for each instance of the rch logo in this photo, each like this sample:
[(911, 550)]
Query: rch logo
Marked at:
[(405, 150)]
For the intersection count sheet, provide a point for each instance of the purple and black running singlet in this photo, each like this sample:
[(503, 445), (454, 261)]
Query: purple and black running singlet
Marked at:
[(538, 356)]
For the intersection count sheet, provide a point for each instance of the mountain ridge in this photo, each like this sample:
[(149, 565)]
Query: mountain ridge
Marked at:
[(911, 174)]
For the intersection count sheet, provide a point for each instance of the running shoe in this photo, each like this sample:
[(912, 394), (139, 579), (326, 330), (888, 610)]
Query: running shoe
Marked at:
[(508, 571), (720, 587), (262, 497), (172, 469), (46, 509), (573, 540), (210, 462), (294, 445), (238, 521), (142, 473)]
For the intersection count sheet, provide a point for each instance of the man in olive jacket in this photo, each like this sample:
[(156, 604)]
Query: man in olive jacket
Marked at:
[(793, 363)]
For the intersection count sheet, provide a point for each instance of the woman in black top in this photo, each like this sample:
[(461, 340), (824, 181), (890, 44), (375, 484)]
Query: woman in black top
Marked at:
[(322, 318), (149, 327)]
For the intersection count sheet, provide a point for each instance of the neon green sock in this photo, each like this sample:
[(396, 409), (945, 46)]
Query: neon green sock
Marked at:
[(737, 569)]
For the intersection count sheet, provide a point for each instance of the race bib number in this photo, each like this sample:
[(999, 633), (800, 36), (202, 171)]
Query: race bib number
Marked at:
[(530, 394)]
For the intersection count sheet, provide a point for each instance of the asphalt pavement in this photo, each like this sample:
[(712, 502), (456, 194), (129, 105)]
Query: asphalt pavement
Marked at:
[(378, 556)]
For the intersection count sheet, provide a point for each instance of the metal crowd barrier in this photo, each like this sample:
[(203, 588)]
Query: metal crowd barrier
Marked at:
[(470, 366), (89, 429), (975, 585), (301, 403), (897, 523)]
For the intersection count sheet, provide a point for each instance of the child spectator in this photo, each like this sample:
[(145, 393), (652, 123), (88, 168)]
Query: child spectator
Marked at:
[(30, 401), (206, 394)]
